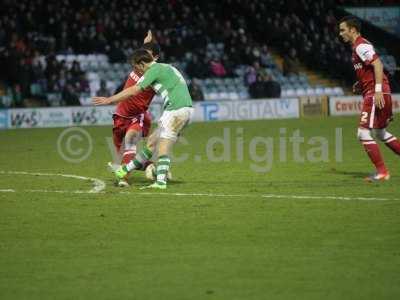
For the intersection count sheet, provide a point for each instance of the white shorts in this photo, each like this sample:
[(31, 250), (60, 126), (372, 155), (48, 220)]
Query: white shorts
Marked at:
[(172, 122)]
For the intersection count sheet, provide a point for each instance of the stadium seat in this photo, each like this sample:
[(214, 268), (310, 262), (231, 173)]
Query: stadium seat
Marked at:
[(54, 99), (213, 96), (290, 93), (233, 96), (92, 76), (319, 91), (244, 94), (207, 96), (85, 99), (310, 91), (328, 91), (338, 91), (112, 85), (71, 57), (60, 57), (103, 65), (85, 65), (93, 66), (90, 57), (94, 86), (81, 57), (101, 57)]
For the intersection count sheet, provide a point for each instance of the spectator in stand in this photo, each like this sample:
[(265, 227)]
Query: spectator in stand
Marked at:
[(250, 76), (52, 67), (195, 90), (116, 54), (217, 68), (102, 27), (76, 70), (82, 85), (265, 56), (70, 96), (103, 91), (252, 73), (264, 87), (24, 75), (291, 63), (194, 68), (257, 88), (17, 97), (53, 85)]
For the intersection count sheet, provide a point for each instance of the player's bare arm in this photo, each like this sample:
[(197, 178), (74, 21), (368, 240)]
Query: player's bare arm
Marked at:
[(148, 38), (121, 96), (378, 70), (131, 91)]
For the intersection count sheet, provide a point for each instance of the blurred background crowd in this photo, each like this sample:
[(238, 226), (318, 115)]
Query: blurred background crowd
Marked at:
[(52, 52)]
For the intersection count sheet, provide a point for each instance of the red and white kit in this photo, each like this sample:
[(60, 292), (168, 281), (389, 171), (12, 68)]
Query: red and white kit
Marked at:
[(371, 117), (132, 114)]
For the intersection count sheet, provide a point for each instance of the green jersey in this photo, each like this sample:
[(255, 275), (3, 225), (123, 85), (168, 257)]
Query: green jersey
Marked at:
[(168, 82)]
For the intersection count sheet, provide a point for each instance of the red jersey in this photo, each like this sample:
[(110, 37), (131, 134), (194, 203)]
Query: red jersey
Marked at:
[(362, 57), (135, 105)]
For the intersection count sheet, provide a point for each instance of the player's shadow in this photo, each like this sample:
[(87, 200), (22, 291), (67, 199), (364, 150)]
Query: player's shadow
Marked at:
[(144, 181), (348, 173)]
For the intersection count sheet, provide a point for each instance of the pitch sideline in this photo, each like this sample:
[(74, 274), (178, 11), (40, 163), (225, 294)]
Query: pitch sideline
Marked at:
[(99, 186)]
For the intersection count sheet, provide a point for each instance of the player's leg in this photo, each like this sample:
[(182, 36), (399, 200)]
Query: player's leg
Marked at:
[(384, 116), (367, 122), (131, 140), (372, 150), (135, 129), (118, 135), (390, 140), (171, 124), (143, 159), (128, 151)]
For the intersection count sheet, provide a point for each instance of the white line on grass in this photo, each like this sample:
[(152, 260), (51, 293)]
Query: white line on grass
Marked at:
[(272, 196), (329, 197), (98, 185), (7, 191)]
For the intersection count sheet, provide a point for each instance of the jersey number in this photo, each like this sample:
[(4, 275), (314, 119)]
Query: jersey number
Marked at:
[(364, 117)]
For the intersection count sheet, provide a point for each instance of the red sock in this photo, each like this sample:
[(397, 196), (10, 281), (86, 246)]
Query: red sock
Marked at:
[(375, 156), (127, 156), (394, 144)]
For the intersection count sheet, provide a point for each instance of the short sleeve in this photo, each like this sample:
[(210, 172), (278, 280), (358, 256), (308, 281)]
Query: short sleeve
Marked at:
[(148, 78), (366, 53)]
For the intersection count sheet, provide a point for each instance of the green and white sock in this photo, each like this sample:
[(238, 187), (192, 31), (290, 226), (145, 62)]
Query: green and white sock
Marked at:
[(163, 165), (140, 160)]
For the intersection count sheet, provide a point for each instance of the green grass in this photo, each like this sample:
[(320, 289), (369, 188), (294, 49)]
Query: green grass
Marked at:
[(133, 245)]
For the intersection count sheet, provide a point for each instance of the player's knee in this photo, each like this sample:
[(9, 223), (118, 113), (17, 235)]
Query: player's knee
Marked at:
[(169, 135), (364, 134), (130, 147), (152, 139), (131, 139)]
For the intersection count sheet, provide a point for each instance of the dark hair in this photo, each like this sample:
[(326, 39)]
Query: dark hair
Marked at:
[(141, 56), (351, 22), (153, 47)]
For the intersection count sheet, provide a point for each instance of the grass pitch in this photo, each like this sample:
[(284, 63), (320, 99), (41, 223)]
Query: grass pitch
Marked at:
[(242, 219)]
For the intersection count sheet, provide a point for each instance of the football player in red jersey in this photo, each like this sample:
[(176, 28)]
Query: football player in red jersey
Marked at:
[(132, 121), (375, 89)]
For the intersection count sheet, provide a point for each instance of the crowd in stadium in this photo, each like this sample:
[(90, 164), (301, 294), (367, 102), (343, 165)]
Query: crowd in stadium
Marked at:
[(302, 30)]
